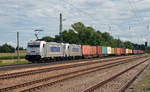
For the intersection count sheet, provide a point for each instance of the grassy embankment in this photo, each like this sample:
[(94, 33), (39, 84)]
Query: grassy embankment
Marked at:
[(11, 58), (145, 84)]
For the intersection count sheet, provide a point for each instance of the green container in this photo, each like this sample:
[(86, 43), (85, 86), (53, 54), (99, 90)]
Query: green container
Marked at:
[(104, 50)]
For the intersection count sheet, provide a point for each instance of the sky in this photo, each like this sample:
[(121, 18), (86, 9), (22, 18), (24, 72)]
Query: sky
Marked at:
[(125, 19)]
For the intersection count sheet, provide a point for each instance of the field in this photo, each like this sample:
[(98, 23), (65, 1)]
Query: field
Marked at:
[(13, 54), (5, 56), (11, 58), (13, 61)]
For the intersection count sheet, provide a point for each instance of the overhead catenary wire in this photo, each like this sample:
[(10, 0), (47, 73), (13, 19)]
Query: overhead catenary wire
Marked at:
[(142, 21), (139, 18), (84, 12), (134, 10)]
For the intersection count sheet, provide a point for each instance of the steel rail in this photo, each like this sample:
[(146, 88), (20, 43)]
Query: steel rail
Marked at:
[(37, 71), (61, 75), (93, 87)]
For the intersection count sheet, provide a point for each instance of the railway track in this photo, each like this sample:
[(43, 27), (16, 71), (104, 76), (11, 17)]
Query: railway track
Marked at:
[(70, 74), (37, 71), (31, 65), (125, 86)]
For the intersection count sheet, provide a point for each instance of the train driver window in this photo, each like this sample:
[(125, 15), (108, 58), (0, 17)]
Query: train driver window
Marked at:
[(43, 45)]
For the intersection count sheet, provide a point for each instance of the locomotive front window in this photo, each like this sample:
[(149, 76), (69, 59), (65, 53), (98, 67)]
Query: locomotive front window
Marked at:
[(33, 46)]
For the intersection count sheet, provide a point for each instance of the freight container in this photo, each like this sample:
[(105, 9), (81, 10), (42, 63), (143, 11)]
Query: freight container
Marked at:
[(99, 50), (104, 50), (122, 51), (118, 51), (136, 52), (113, 51), (89, 51), (127, 51), (93, 51), (86, 50), (133, 51), (108, 50), (130, 51)]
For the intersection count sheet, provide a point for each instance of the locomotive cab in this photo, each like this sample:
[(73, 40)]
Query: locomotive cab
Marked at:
[(35, 50)]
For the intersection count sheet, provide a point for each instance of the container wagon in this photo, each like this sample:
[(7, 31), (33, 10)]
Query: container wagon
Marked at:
[(99, 51), (113, 51), (109, 50), (89, 51), (104, 50)]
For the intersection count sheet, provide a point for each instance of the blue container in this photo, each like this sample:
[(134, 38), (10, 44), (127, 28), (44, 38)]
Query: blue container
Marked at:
[(104, 50)]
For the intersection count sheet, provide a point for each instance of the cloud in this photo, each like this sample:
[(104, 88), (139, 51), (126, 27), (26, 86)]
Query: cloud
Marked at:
[(12, 43), (26, 16)]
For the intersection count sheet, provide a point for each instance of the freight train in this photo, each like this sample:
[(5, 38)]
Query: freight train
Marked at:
[(41, 51)]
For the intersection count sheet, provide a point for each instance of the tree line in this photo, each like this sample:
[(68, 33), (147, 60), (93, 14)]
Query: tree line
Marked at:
[(5, 48), (86, 35)]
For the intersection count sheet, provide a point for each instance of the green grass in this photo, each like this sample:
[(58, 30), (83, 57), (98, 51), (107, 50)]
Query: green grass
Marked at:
[(146, 81), (14, 62), (10, 57)]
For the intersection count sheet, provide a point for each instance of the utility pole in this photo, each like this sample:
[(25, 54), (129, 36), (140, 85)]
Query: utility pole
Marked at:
[(60, 28), (18, 46), (110, 30), (118, 43), (146, 39), (129, 27), (95, 38)]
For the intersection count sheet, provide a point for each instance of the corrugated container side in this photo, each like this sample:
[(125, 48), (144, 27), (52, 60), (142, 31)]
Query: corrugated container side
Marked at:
[(118, 51), (99, 50), (121, 50), (137, 51), (104, 50), (93, 50), (108, 50), (86, 50), (115, 51), (133, 51), (127, 52), (124, 50), (112, 50), (130, 51)]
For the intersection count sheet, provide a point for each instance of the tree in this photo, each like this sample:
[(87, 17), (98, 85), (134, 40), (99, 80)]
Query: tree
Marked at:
[(86, 35), (148, 49), (6, 49), (48, 39)]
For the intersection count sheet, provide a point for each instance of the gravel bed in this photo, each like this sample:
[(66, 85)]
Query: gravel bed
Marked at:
[(118, 82), (20, 80), (80, 83), (55, 65), (137, 85)]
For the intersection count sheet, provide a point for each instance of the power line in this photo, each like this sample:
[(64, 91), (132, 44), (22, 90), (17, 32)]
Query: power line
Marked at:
[(134, 9), (84, 12)]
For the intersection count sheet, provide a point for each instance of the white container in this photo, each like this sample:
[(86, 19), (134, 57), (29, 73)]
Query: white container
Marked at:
[(108, 50)]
